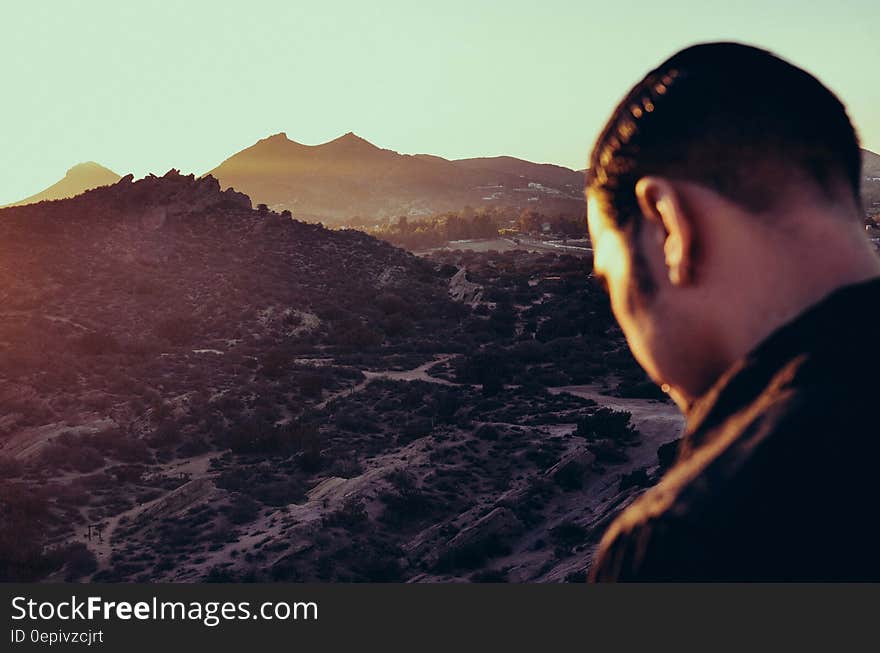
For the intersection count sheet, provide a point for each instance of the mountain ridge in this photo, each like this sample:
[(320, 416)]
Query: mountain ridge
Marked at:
[(312, 180), (870, 163), (349, 176)]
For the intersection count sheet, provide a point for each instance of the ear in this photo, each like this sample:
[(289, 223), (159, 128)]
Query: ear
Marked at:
[(662, 204)]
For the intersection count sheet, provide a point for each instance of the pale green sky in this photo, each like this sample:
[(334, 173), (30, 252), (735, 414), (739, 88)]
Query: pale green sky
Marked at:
[(145, 86)]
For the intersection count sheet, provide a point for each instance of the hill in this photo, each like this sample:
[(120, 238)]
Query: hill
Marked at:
[(541, 173), (350, 176), (871, 184), (80, 178), (193, 389), (870, 164)]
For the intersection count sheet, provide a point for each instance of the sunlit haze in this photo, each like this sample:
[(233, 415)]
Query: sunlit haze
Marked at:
[(147, 86)]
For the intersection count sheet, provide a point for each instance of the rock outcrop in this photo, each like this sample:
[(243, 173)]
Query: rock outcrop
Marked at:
[(174, 194), (463, 290)]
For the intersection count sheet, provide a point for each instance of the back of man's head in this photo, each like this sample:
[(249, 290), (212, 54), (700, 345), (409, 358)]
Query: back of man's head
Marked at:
[(734, 118)]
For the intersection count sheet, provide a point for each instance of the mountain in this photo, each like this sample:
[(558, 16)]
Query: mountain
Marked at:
[(350, 176), (80, 178), (870, 164), (542, 173), (871, 184)]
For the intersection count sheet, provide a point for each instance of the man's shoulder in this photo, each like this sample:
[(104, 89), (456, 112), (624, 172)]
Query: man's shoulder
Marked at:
[(663, 520), (736, 482)]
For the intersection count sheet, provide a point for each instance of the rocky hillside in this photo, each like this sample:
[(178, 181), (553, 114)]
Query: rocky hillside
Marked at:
[(870, 164), (99, 288), (80, 178), (871, 184), (350, 177), (193, 389)]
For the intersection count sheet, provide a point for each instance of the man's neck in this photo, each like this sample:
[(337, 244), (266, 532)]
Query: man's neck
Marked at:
[(800, 275), (765, 279)]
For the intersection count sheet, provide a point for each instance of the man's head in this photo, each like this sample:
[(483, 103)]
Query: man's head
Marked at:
[(722, 193)]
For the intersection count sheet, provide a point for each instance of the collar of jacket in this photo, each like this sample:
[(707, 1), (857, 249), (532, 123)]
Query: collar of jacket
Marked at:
[(836, 326)]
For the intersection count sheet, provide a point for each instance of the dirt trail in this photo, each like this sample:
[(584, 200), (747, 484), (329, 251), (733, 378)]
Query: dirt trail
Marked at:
[(51, 318), (196, 468), (601, 498), (299, 522), (103, 546), (654, 419), (657, 422), (419, 373)]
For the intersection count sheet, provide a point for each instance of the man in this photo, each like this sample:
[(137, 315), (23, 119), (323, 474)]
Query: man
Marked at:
[(723, 207)]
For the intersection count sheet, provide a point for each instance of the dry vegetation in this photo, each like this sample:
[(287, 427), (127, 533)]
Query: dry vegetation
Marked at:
[(227, 394)]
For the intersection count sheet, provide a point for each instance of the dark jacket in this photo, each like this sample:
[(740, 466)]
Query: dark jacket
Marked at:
[(778, 475)]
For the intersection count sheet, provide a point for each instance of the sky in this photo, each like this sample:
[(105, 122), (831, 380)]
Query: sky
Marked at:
[(148, 86)]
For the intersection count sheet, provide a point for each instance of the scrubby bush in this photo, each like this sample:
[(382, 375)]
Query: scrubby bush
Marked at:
[(605, 423), (570, 476), (264, 485), (474, 554), (636, 478), (10, 467), (76, 559), (177, 330), (406, 502), (568, 534), (23, 514), (243, 509), (312, 384), (351, 516)]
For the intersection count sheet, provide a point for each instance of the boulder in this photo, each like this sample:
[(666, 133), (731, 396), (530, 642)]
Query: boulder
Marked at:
[(463, 290)]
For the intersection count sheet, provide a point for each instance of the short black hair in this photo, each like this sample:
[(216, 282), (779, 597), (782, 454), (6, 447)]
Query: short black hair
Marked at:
[(732, 117)]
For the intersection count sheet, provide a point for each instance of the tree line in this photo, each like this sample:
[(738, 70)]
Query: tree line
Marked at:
[(468, 224)]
